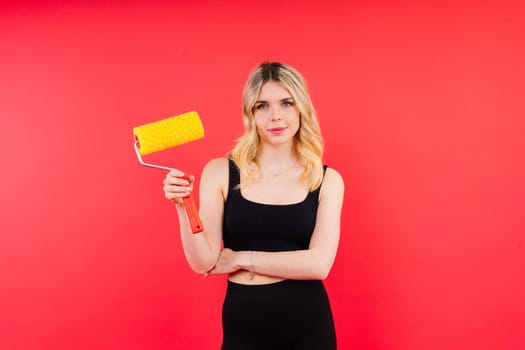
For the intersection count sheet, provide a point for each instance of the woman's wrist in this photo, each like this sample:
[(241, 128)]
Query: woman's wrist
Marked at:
[(181, 212), (246, 262), (245, 259)]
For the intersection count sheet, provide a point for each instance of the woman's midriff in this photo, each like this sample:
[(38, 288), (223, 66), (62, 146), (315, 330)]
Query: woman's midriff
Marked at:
[(243, 277)]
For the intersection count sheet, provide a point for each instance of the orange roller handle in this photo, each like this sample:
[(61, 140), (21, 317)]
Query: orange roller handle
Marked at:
[(191, 211)]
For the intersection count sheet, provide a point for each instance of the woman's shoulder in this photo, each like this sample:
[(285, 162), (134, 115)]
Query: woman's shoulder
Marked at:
[(333, 181), (333, 173), (216, 167), (214, 178)]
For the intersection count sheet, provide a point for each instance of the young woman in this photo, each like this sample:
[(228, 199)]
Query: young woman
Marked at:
[(277, 210)]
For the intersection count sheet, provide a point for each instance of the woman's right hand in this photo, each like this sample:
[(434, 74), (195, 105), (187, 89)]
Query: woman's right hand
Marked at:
[(177, 186)]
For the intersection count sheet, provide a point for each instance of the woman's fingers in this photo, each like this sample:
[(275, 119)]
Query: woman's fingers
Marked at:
[(176, 186), (225, 264)]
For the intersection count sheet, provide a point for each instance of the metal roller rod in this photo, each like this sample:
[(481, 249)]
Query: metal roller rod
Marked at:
[(136, 145)]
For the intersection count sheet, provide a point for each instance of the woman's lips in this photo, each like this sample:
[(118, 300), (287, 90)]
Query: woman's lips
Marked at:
[(277, 130)]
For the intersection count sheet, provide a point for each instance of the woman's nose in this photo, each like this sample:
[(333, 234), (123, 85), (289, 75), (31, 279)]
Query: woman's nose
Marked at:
[(276, 115)]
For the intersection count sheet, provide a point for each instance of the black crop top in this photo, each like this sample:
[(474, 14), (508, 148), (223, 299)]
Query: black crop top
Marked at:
[(266, 227)]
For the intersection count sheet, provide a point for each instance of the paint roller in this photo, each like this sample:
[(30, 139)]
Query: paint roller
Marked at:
[(167, 133)]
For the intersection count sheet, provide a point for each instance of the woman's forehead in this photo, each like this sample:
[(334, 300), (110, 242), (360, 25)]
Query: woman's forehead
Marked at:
[(272, 90)]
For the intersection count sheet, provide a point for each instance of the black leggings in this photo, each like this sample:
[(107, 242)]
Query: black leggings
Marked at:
[(285, 315)]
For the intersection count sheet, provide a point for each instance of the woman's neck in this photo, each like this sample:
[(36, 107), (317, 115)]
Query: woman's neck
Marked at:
[(277, 160)]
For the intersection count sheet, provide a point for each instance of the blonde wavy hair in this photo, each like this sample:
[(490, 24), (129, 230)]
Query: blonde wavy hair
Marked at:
[(308, 142)]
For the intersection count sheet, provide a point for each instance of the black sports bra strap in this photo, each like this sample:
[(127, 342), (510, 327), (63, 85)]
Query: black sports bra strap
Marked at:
[(318, 190), (234, 177)]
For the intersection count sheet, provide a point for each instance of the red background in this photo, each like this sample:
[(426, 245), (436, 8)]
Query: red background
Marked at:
[(422, 106)]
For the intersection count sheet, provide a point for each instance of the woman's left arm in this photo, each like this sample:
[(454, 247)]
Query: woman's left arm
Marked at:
[(312, 263)]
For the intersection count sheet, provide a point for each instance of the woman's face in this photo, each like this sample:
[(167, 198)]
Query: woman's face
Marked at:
[(276, 114)]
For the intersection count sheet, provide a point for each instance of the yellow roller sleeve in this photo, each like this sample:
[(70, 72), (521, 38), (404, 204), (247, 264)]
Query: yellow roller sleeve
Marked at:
[(168, 132)]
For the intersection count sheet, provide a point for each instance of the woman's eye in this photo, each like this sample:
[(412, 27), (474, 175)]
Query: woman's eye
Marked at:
[(287, 104), (261, 106)]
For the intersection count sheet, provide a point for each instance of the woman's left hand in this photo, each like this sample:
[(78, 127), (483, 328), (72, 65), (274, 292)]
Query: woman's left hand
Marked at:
[(226, 264)]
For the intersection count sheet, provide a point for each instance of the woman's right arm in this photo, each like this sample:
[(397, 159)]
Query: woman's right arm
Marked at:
[(201, 249)]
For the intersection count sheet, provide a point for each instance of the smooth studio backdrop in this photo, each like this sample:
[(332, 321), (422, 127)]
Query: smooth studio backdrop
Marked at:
[(422, 107)]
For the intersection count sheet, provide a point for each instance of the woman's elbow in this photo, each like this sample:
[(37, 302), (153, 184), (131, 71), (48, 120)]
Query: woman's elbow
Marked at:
[(323, 274), (202, 267), (322, 270), (198, 270)]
